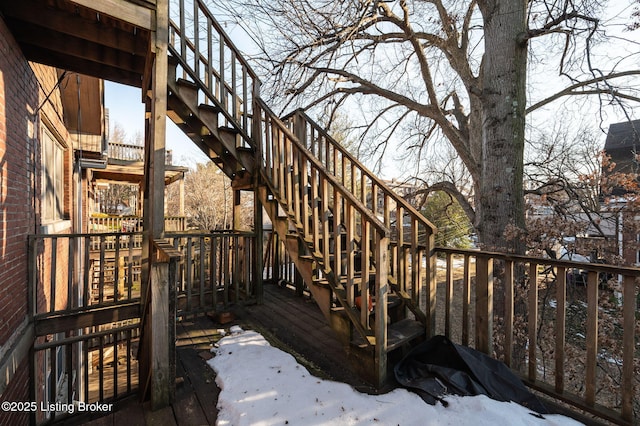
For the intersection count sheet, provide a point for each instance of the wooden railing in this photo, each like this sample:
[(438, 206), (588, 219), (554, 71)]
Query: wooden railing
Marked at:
[(411, 233), (279, 267), (216, 270), (133, 153), (568, 328), (86, 307), (86, 326), (124, 232), (209, 58)]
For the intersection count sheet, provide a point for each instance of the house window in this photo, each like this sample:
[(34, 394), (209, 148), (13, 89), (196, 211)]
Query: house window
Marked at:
[(52, 178)]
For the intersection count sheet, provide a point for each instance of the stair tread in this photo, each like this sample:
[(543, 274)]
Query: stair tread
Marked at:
[(228, 129), (398, 334), (186, 83), (209, 107), (402, 332)]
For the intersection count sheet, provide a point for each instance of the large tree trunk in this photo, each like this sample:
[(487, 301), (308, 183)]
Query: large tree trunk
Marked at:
[(501, 202), (501, 198)]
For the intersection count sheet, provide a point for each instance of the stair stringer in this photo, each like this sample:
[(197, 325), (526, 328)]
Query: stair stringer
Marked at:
[(305, 266)]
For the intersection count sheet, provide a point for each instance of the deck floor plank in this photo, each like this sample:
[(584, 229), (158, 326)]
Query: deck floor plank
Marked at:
[(130, 415), (201, 380), (188, 411)]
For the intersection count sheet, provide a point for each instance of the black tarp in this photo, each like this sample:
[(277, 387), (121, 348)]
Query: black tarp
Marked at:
[(439, 367)]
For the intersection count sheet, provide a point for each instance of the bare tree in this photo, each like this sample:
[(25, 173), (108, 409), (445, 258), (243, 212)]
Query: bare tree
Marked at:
[(456, 69), (208, 200)]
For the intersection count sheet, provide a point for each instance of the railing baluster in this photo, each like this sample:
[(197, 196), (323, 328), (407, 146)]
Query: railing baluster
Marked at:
[(68, 351), (415, 268), (509, 297), (305, 195), (628, 345), (213, 273), (337, 234), (448, 295), (350, 248), (592, 337), (314, 210), (533, 320), (201, 279), (183, 36), (223, 83), (196, 39), (128, 358), (101, 368), (234, 87), (296, 187), (466, 299), (210, 84), (189, 273), (70, 272), (364, 284), (116, 271), (101, 281), (484, 303), (561, 307), (115, 364), (53, 272)]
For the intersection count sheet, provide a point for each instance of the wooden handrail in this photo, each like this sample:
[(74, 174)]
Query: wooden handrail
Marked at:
[(598, 267)]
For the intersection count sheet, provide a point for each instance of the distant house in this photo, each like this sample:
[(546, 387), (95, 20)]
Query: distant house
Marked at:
[(623, 146)]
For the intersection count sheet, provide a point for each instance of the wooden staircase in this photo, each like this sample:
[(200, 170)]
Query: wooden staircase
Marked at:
[(363, 252)]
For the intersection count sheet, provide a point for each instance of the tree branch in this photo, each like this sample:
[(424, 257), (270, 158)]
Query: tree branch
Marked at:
[(569, 90), (450, 189)]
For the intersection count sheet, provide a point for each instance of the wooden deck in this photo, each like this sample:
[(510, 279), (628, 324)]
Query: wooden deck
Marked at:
[(300, 327), (292, 323)]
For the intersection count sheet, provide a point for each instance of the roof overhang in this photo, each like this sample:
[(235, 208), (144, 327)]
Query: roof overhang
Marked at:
[(108, 39)]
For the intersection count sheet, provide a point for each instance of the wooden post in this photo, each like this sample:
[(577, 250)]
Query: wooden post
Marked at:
[(163, 361), (382, 268), (182, 197), (237, 210), (157, 126), (431, 287), (158, 358), (258, 246)]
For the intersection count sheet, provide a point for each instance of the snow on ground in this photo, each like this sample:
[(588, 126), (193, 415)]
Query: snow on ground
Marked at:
[(262, 385)]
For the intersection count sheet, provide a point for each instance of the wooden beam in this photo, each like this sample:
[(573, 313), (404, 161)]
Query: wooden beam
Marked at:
[(72, 63), (135, 42), (78, 320), (122, 10), (52, 41)]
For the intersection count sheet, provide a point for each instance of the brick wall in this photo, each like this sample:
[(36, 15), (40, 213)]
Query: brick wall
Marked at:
[(17, 390), (18, 101), (29, 100)]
